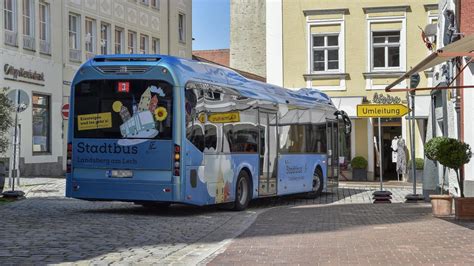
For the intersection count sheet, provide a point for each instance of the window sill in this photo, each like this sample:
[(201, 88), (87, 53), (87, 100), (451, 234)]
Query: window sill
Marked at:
[(11, 44), (326, 75), (383, 74), (429, 72), (42, 153)]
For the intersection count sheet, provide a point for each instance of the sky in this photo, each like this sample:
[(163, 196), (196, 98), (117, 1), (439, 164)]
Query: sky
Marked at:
[(211, 22)]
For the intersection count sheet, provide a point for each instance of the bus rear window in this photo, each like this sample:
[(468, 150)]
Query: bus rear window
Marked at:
[(123, 109)]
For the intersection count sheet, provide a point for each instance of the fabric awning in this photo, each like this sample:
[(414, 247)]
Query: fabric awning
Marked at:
[(450, 51), (347, 104)]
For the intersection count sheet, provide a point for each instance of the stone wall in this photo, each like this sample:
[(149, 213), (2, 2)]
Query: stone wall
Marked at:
[(47, 169), (247, 36)]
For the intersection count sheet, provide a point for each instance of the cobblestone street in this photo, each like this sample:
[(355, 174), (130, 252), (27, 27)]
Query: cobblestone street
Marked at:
[(48, 228), (352, 234)]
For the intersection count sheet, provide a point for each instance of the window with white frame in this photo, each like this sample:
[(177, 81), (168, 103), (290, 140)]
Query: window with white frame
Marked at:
[(74, 37), (143, 2), (45, 28), (119, 39), (385, 49), (325, 52), (28, 18), (155, 45), (90, 35), (10, 22), (155, 4), (105, 38), (9, 10), (143, 44), (132, 42), (182, 27)]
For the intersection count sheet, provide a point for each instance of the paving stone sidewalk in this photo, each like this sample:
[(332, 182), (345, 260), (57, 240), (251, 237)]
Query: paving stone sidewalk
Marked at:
[(48, 228), (351, 234)]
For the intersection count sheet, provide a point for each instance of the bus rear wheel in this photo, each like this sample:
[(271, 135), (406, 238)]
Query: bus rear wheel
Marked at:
[(242, 192), (318, 183)]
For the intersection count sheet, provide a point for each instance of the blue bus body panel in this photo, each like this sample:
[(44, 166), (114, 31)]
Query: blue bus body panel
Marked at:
[(122, 154), (96, 184), (216, 178), (150, 162), (295, 172)]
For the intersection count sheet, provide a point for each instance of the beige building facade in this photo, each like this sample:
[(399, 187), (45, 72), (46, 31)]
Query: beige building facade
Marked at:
[(352, 50), (48, 40)]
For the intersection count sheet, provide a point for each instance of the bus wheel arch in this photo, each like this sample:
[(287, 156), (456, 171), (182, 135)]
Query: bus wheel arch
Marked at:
[(243, 190), (251, 185)]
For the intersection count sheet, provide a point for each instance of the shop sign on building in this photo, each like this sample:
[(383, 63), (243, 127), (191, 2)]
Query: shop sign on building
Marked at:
[(382, 99), (23, 75)]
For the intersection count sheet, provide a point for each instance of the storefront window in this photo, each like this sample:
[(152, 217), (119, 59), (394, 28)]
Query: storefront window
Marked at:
[(41, 124)]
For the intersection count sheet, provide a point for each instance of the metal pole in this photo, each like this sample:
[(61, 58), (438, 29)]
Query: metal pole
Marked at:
[(412, 142), (380, 155), (410, 130), (14, 172)]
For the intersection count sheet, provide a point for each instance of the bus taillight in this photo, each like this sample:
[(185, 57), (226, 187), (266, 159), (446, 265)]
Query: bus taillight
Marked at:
[(177, 156), (69, 158)]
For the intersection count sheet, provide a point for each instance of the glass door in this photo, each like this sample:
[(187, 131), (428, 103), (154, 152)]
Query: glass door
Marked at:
[(268, 153), (332, 130)]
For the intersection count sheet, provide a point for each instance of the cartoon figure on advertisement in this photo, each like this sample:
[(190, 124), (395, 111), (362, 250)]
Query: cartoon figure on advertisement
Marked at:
[(146, 117)]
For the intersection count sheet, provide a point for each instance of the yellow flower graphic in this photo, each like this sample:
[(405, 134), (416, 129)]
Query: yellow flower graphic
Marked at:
[(161, 114)]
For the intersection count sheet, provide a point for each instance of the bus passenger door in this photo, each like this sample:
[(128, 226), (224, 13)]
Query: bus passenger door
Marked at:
[(332, 130), (268, 163)]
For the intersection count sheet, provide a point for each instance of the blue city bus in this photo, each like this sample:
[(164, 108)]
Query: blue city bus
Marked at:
[(156, 130)]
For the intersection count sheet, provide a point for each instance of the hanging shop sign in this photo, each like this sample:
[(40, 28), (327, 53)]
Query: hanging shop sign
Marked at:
[(23, 75), (382, 110)]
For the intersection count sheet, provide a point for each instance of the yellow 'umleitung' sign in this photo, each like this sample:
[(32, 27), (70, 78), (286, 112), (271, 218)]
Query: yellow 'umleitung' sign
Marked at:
[(224, 117), (94, 121), (382, 110)]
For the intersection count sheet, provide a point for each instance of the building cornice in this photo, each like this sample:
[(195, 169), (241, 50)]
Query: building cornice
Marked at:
[(312, 12), (378, 9), (429, 7)]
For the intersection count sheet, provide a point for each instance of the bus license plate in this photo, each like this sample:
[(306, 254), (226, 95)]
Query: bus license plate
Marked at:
[(120, 173)]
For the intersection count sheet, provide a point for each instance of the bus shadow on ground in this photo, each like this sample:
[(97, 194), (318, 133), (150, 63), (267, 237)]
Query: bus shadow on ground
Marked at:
[(468, 224), (338, 195)]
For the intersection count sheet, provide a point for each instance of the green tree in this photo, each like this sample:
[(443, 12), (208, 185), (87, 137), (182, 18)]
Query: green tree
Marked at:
[(454, 154), (450, 153), (6, 120)]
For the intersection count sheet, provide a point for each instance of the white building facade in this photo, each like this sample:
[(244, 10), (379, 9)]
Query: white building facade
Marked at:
[(44, 42)]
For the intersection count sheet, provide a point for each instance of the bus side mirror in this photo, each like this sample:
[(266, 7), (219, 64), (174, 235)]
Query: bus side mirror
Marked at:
[(345, 118)]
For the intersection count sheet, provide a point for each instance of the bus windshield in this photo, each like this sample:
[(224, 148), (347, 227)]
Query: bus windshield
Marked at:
[(123, 109)]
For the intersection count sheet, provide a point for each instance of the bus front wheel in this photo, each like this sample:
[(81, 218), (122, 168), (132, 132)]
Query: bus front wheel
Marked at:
[(242, 191), (318, 183)]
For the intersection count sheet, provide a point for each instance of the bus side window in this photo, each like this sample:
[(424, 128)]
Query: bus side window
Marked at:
[(210, 138), (242, 138), (195, 135)]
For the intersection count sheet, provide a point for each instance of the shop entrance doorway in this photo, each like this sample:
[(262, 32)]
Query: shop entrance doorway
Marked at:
[(391, 128)]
